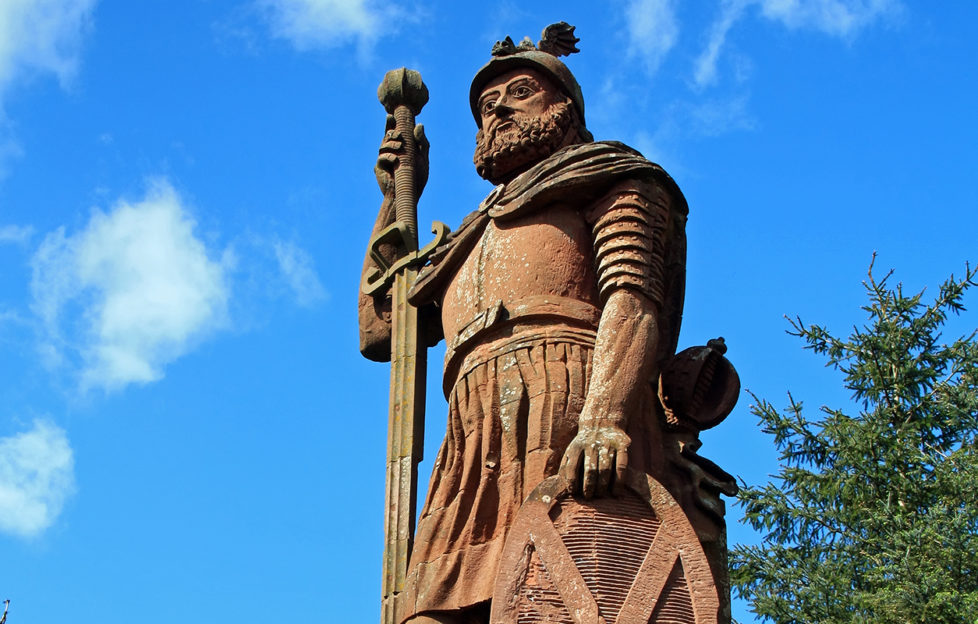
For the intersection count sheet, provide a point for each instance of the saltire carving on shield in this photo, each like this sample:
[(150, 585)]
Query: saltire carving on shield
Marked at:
[(633, 559)]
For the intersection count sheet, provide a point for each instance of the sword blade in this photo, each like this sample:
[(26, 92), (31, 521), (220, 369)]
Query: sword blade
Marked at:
[(405, 441)]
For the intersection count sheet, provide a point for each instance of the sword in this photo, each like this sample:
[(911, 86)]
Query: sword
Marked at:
[(403, 94)]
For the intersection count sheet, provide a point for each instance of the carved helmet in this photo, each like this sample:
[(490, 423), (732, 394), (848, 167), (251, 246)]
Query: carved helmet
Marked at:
[(557, 40)]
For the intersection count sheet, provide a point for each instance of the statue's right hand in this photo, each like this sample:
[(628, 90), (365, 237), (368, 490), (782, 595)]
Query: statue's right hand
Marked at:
[(596, 460), (390, 151), (387, 158)]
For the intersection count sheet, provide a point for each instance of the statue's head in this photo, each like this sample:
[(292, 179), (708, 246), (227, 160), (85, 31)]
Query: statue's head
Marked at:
[(527, 104)]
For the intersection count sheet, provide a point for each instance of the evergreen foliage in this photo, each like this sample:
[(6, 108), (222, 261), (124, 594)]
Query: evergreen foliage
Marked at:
[(873, 516)]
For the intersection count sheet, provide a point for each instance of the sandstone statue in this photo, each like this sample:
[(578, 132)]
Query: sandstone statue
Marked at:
[(568, 487)]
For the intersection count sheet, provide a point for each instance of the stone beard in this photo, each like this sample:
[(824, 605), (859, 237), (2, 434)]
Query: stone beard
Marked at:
[(498, 154)]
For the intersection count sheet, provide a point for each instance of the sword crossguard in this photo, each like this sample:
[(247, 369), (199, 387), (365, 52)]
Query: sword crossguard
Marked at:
[(398, 234)]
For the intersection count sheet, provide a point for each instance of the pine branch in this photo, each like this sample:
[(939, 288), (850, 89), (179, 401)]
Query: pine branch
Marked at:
[(873, 516)]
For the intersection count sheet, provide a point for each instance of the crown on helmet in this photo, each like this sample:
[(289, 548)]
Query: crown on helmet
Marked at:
[(557, 40)]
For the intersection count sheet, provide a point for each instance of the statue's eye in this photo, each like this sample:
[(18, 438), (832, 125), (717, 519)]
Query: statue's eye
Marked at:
[(522, 92), (488, 106)]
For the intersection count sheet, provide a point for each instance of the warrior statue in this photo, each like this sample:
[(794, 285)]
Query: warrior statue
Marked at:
[(568, 487)]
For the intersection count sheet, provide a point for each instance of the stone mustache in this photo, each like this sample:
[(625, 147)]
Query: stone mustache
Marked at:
[(568, 487)]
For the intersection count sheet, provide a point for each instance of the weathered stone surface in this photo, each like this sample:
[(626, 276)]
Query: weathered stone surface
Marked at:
[(633, 558), (560, 300)]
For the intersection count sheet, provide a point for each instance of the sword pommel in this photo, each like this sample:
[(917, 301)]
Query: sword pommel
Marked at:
[(403, 87)]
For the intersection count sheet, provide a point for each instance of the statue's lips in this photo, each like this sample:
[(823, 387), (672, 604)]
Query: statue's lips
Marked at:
[(504, 126)]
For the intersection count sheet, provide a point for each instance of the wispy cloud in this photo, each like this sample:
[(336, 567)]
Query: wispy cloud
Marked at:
[(15, 234), (130, 293), (652, 31), (685, 120), (299, 273), (321, 24), (715, 117), (655, 145), (837, 18), (42, 36), (37, 37), (705, 71), (37, 475)]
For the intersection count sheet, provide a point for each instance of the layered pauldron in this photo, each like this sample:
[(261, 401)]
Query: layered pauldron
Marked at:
[(584, 172), (628, 229)]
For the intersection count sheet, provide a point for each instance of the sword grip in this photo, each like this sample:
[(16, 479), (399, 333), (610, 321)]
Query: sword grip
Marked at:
[(405, 191)]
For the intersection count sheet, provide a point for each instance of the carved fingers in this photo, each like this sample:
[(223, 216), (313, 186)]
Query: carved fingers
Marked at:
[(390, 151), (621, 465), (707, 480), (705, 487), (596, 460), (572, 464), (387, 157), (421, 166)]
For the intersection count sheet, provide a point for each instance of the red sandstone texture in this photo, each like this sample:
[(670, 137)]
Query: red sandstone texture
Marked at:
[(560, 300)]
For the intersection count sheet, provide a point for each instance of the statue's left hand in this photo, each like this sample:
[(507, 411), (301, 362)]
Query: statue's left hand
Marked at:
[(596, 460)]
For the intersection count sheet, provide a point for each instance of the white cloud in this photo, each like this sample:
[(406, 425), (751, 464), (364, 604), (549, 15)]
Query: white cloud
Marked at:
[(41, 36), (837, 18), (15, 234), (299, 272), (652, 31), (318, 24), (682, 121), (37, 37), (130, 293), (653, 145), (36, 478), (706, 65), (715, 117), (840, 18)]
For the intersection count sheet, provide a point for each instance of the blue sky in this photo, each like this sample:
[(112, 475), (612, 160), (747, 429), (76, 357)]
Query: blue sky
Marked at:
[(186, 427)]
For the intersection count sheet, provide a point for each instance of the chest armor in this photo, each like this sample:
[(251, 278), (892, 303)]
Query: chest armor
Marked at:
[(545, 253)]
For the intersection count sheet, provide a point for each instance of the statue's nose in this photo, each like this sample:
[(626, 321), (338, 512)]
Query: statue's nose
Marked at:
[(502, 109)]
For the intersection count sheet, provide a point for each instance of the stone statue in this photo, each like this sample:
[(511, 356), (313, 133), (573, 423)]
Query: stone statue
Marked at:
[(560, 300)]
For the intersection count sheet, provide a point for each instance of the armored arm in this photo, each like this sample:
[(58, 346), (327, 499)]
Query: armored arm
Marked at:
[(629, 228)]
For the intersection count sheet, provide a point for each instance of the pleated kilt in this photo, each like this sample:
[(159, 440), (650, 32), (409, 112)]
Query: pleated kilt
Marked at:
[(513, 410)]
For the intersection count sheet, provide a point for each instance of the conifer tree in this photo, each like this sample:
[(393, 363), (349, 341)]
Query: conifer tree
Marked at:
[(873, 516)]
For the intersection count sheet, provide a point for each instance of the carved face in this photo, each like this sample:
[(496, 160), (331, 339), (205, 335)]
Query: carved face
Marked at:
[(524, 91), (525, 118)]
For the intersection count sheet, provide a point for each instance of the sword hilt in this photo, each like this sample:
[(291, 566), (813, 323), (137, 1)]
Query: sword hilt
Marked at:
[(380, 277), (403, 95)]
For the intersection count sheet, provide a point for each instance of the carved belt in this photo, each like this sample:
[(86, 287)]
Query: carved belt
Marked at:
[(527, 308)]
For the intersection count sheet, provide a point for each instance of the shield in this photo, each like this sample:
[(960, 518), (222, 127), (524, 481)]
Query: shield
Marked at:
[(633, 559)]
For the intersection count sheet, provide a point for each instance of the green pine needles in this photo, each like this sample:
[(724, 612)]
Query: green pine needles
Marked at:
[(873, 516)]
